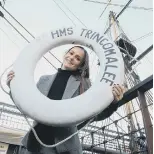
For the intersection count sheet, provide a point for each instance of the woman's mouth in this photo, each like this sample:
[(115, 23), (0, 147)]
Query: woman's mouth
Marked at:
[(69, 62)]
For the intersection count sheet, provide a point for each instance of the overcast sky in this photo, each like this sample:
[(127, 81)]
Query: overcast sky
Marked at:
[(40, 16)]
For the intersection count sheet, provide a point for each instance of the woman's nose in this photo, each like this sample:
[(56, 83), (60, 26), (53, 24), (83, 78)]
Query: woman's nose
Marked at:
[(71, 57)]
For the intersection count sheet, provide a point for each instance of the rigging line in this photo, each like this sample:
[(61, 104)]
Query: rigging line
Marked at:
[(86, 135), (128, 77), (83, 136), (17, 31), (150, 92), (117, 125), (105, 9), (9, 37), (120, 119), (73, 13), (150, 113), (120, 136), (26, 29), (55, 56), (104, 140), (120, 5), (137, 62), (121, 116), (143, 55), (28, 41), (149, 49), (105, 124), (133, 83), (138, 125), (64, 12), (121, 29), (141, 62), (134, 59), (106, 25), (141, 52), (148, 60), (149, 96), (146, 52), (142, 37), (123, 9), (50, 62), (118, 15), (148, 100), (17, 21)]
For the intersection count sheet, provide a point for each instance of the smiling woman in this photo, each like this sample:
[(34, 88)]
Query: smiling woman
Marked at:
[(73, 59), (58, 120), (75, 63), (77, 59)]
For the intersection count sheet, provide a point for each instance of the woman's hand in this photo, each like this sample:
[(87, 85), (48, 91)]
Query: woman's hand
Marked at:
[(118, 92), (10, 76)]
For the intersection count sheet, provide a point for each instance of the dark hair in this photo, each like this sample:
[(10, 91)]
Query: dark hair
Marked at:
[(84, 67)]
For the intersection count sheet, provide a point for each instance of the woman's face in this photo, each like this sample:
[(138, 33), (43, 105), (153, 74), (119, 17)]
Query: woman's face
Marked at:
[(73, 59)]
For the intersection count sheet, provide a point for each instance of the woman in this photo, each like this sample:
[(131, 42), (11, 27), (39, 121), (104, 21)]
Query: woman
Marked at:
[(70, 81)]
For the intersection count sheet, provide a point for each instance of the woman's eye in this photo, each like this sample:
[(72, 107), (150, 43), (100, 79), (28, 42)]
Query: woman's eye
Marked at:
[(78, 59)]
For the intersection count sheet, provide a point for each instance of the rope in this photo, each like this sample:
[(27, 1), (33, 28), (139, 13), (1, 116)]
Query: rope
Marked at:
[(54, 145), (64, 12), (119, 5), (28, 33), (105, 9), (73, 14), (143, 37)]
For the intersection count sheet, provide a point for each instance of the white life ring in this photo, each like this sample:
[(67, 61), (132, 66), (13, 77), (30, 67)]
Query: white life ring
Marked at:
[(71, 111)]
